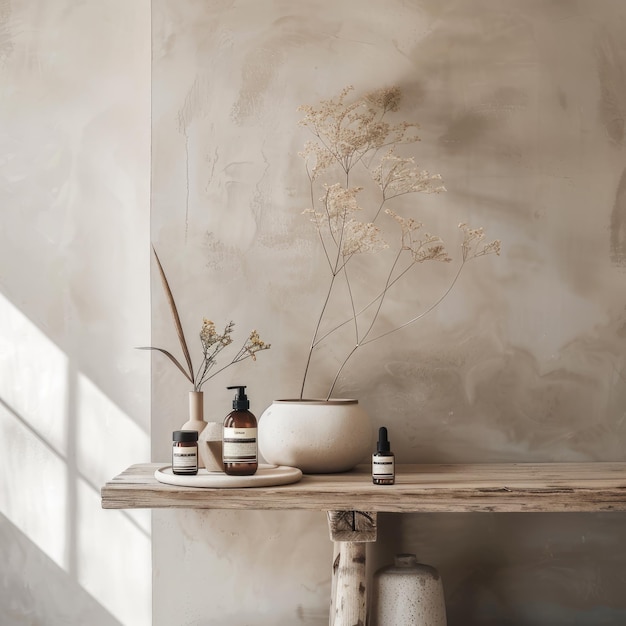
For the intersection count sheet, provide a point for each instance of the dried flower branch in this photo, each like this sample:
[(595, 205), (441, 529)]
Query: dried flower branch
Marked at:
[(211, 340), (349, 134)]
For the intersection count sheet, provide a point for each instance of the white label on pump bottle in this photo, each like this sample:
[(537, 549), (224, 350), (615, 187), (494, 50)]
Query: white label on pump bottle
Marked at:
[(240, 445)]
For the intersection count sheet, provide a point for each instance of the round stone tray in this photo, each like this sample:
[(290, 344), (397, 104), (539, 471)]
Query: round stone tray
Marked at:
[(266, 476)]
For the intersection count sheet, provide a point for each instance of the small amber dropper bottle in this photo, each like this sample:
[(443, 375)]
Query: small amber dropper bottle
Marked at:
[(383, 461)]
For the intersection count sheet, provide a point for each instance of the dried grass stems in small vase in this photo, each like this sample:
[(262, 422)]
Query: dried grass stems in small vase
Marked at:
[(212, 342), (354, 140)]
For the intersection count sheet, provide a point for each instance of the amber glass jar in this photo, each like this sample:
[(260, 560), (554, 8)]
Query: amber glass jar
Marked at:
[(185, 452)]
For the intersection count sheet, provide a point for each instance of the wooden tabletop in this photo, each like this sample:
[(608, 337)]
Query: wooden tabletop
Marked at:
[(503, 487)]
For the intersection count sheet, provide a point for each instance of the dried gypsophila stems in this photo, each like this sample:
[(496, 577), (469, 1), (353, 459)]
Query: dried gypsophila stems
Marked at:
[(350, 134)]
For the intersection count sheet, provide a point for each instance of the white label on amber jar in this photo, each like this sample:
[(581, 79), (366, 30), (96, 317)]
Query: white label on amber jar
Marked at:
[(383, 466), (240, 445), (184, 457)]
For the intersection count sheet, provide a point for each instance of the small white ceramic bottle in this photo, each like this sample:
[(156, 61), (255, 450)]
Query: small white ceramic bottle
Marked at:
[(407, 593)]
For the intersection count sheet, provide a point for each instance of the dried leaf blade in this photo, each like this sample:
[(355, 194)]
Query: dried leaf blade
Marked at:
[(171, 357), (177, 323)]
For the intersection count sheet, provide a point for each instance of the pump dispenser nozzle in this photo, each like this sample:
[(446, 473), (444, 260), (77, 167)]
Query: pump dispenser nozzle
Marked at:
[(241, 402)]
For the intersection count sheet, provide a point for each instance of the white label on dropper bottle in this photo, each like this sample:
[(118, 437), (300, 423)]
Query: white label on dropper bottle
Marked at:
[(383, 466)]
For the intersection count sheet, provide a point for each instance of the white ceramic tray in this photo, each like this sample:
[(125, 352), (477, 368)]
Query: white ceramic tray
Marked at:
[(266, 476)]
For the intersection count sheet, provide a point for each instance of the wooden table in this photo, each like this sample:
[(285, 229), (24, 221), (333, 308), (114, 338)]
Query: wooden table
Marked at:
[(352, 502)]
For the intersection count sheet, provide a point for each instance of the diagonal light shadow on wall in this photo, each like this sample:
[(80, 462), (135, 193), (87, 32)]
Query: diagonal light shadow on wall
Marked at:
[(62, 437), (92, 485), (44, 599)]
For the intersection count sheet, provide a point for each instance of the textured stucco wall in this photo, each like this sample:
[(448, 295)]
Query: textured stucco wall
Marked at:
[(521, 106), (74, 300)]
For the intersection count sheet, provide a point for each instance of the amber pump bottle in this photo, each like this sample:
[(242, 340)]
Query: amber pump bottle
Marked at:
[(383, 461), (240, 455)]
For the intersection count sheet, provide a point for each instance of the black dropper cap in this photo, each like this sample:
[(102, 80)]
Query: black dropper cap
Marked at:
[(241, 402), (383, 442)]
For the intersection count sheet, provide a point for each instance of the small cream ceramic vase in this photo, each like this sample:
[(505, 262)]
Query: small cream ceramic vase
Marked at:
[(196, 418), (407, 593)]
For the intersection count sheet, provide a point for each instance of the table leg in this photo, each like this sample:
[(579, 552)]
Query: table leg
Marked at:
[(350, 531)]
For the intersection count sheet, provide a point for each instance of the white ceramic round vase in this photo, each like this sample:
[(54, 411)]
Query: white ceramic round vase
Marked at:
[(407, 593), (316, 436)]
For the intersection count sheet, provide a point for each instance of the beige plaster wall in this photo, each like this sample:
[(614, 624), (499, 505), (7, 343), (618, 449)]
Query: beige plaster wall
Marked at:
[(74, 300), (521, 106)]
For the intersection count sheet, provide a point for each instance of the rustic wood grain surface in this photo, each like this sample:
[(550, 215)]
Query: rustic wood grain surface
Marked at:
[(503, 487)]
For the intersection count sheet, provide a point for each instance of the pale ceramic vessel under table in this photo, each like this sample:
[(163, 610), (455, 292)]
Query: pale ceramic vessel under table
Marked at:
[(407, 593), (316, 436)]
